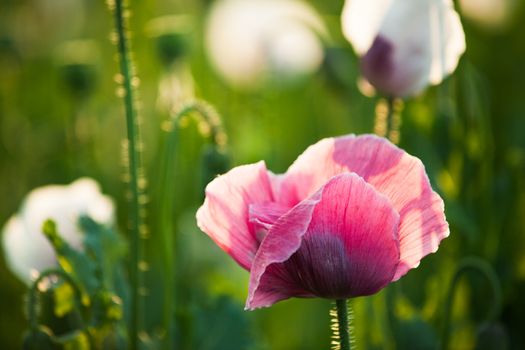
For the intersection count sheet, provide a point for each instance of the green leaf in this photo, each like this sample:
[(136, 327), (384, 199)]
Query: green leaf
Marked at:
[(64, 299), (81, 269), (106, 248)]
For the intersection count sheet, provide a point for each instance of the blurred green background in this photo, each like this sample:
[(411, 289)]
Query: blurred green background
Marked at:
[(60, 119)]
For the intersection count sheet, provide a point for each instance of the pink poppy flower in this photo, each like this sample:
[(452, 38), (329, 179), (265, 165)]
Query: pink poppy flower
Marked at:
[(351, 215)]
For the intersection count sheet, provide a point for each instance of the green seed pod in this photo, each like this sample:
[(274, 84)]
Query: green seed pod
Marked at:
[(170, 34), (171, 46), (77, 64), (79, 78)]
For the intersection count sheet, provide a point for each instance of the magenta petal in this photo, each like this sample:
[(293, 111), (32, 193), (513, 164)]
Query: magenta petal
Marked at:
[(340, 242), (392, 172), (224, 215)]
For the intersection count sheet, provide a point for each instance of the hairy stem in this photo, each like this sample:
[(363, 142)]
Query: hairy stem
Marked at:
[(136, 176), (341, 329), (389, 116), (388, 119)]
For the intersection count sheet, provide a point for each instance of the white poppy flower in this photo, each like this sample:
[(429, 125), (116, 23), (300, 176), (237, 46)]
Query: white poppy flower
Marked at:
[(248, 39), (26, 249), (404, 45)]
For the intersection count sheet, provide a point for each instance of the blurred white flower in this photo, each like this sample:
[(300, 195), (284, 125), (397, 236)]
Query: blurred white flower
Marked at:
[(492, 14), (404, 45), (26, 249), (249, 40)]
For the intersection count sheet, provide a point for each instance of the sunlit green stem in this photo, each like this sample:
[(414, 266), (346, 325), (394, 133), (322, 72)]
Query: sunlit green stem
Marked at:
[(134, 163), (393, 119), (388, 119), (389, 116), (213, 122), (480, 266)]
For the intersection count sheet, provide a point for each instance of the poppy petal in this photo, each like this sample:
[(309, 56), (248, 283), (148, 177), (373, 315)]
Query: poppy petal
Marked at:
[(392, 172), (338, 243), (264, 215), (224, 215)]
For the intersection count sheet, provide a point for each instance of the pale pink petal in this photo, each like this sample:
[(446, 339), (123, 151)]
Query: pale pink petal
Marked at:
[(392, 172), (263, 215), (224, 215), (341, 242)]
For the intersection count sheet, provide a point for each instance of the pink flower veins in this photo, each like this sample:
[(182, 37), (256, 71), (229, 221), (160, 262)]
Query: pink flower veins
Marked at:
[(351, 215)]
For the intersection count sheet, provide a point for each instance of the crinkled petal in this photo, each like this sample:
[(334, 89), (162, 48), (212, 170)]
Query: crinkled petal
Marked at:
[(392, 172), (341, 242), (224, 216), (264, 215)]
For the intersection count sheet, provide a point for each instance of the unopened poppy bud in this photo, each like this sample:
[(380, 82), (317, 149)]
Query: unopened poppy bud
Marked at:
[(404, 45)]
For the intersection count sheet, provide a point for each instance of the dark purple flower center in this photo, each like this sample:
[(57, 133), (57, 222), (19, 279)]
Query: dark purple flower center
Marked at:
[(376, 64), (321, 266)]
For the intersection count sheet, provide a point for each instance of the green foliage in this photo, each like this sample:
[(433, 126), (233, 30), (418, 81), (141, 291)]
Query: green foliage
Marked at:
[(38, 339), (88, 300), (468, 132)]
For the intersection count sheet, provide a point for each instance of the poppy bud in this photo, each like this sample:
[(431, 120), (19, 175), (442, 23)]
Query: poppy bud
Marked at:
[(404, 45)]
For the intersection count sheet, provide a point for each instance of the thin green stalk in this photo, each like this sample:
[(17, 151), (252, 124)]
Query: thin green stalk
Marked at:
[(387, 120), (167, 190), (135, 176), (478, 265), (167, 187), (389, 116)]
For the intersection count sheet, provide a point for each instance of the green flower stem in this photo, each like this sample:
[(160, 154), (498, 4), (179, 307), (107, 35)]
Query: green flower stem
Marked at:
[(135, 176), (342, 330), (482, 267), (388, 119), (167, 188), (389, 116)]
